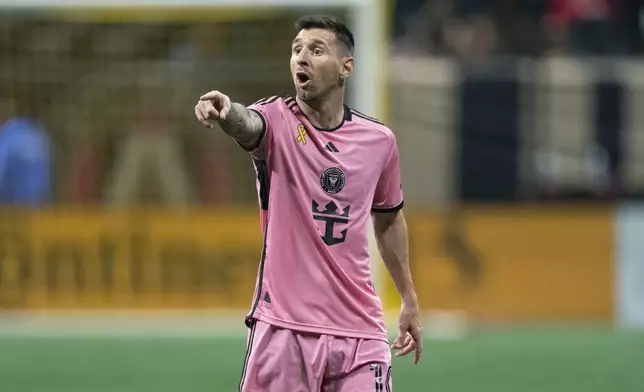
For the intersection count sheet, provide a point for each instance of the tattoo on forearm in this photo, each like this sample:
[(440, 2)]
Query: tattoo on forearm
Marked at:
[(241, 125)]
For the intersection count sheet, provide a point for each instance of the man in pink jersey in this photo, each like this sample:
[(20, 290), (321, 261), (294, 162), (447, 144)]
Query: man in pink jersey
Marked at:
[(324, 172)]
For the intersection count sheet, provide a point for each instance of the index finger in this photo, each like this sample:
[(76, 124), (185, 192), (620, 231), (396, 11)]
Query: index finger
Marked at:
[(418, 338), (209, 96), (417, 353)]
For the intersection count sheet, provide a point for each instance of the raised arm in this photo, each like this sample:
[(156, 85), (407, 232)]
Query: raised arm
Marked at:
[(244, 125)]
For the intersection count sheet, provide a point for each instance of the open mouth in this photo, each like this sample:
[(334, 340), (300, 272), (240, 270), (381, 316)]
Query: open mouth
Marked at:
[(302, 79)]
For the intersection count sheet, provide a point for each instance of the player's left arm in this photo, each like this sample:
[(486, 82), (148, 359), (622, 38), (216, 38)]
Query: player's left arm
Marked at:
[(393, 242)]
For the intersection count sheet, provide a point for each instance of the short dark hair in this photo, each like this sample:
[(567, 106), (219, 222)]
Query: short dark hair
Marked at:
[(329, 23)]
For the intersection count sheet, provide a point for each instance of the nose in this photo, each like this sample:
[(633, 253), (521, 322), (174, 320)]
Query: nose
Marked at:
[(302, 58)]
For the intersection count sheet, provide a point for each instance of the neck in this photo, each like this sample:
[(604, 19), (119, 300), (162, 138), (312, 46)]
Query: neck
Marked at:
[(325, 112)]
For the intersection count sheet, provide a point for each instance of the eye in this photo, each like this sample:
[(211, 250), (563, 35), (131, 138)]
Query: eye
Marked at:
[(317, 51), (297, 49)]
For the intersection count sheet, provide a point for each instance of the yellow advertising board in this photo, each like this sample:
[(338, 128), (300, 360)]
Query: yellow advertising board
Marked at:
[(496, 264), (90, 259), (515, 264)]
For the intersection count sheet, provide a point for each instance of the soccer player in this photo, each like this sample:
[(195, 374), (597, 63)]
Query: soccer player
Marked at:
[(323, 170)]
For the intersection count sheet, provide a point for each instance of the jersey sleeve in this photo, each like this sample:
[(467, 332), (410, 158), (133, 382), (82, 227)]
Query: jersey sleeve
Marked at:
[(268, 111), (389, 194)]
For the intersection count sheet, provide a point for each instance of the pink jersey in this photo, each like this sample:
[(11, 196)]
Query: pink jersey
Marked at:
[(317, 189)]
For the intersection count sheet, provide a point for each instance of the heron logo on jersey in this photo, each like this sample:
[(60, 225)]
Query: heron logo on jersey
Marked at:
[(331, 217), (301, 137), (332, 180)]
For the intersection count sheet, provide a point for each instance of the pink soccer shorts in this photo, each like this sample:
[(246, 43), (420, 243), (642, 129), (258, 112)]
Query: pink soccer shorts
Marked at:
[(283, 360)]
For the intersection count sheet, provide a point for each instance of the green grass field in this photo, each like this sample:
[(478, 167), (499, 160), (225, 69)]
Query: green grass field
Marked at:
[(526, 360)]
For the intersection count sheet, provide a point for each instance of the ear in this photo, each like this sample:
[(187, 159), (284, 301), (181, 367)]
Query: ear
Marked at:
[(347, 67)]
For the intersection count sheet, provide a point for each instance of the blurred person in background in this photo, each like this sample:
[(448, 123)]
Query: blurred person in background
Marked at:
[(471, 29), (88, 163), (192, 49), (472, 34), (465, 29), (214, 184), (404, 11), (588, 27), (149, 166), (25, 161)]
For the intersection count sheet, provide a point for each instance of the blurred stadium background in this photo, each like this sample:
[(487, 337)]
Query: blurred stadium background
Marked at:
[(128, 258)]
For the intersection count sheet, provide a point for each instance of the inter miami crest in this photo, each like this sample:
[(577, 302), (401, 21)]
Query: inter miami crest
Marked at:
[(332, 180)]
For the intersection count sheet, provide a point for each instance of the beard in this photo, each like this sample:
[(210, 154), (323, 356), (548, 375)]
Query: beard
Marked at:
[(313, 93), (306, 95)]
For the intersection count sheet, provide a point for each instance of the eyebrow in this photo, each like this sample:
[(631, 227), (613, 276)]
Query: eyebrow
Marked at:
[(315, 40)]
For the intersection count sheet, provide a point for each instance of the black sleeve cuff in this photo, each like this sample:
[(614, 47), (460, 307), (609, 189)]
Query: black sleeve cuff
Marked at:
[(389, 210), (262, 135)]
